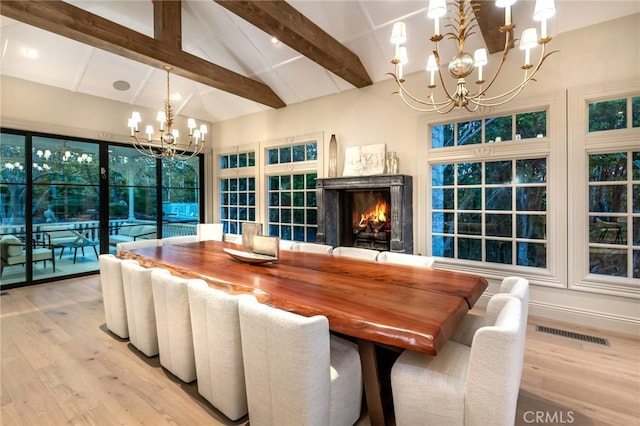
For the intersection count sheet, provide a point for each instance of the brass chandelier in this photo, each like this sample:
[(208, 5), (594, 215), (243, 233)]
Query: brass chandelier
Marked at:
[(166, 146), (460, 25)]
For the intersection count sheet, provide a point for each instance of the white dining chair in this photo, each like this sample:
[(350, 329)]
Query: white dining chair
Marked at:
[(218, 348), (356, 253), (513, 286), (312, 248), (398, 258), (138, 296), (464, 385), (173, 323), (209, 231), (115, 310), (287, 244), (180, 239), (137, 244), (296, 372)]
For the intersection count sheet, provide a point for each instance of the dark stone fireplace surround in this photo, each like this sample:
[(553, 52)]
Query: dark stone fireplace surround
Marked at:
[(331, 200)]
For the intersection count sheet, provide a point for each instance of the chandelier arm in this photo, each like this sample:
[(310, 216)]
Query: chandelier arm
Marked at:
[(505, 52), (149, 152), (441, 108), (404, 92), (512, 93)]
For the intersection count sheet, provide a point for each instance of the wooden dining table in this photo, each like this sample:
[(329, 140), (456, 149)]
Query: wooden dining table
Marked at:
[(377, 304)]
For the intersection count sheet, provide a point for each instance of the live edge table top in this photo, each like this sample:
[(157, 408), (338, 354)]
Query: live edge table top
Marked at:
[(409, 307)]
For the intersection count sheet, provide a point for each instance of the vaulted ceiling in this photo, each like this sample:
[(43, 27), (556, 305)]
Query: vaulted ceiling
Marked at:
[(224, 63)]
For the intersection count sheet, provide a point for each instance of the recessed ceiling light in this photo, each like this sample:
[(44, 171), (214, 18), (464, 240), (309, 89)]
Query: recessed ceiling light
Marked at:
[(274, 40), (121, 85)]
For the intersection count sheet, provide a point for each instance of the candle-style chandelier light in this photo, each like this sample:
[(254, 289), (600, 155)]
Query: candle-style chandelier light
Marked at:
[(167, 145), (461, 24)]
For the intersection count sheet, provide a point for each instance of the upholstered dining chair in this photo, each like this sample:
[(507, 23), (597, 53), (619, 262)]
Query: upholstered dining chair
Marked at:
[(180, 239), (405, 259), (464, 385), (312, 248), (173, 323), (115, 310), (137, 244), (513, 286), (296, 372), (218, 348), (356, 253), (141, 316), (209, 231), (287, 244)]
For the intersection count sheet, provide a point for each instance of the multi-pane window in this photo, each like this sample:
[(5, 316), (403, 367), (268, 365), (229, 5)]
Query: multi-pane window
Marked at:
[(237, 203), (613, 192), (237, 190), (291, 195), (491, 210), (522, 126), (235, 161), (292, 206)]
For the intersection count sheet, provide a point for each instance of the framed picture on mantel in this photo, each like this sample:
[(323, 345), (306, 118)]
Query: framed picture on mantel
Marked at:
[(364, 160)]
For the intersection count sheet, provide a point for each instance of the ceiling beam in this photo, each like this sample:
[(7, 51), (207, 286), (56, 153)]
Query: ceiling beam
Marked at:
[(281, 20), (69, 21), (490, 18)]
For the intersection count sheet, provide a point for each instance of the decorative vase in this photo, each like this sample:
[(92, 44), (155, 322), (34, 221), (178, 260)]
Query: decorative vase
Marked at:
[(392, 163), (333, 157)]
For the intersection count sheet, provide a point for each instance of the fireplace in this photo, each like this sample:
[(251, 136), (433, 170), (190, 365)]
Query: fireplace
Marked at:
[(366, 211)]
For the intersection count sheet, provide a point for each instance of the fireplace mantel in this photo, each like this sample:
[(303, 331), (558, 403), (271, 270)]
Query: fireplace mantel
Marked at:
[(330, 203)]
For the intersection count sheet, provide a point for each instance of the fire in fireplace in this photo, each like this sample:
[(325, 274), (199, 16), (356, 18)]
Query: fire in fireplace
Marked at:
[(371, 219)]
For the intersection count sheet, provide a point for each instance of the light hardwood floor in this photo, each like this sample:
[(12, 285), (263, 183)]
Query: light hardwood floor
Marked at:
[(60, 366)]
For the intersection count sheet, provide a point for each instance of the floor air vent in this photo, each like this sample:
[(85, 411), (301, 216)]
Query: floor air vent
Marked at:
[(572, 335)]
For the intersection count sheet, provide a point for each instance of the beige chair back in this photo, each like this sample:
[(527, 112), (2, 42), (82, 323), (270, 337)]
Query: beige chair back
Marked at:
[(218, 348), (173, 323), (141, 316), (405, 259), (312, 248), (356, 253), (295, 375), (209, 231), (115, 311)]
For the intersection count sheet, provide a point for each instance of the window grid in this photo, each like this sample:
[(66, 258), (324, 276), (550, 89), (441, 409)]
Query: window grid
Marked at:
[(237, 203), (237, 160), (476, 219), (490, 130), (614, 214), (292, 212), (295, 153)]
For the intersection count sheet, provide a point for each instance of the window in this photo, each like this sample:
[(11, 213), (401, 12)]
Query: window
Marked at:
[(292, 207), (237, 189), (281, 172), (607, 205), (291, 168), (491, 183)]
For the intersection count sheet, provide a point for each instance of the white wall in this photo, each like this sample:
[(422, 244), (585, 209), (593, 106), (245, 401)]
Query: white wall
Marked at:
[(603, 55)]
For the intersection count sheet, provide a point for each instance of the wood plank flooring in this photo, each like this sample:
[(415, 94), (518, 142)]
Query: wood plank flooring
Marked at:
[(59, 365)]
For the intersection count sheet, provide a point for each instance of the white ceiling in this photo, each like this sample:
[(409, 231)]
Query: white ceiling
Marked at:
[(213, 33)]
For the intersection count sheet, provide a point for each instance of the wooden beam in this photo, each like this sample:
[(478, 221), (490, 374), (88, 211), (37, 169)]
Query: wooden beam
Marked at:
[(167, 22), (281, 20), (490, 18), (69, 21)]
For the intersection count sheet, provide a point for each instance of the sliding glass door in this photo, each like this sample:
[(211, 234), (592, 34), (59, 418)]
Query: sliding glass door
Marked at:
[(64, 201)]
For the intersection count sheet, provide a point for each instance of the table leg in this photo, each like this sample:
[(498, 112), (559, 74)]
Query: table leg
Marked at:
[(372, 389)]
